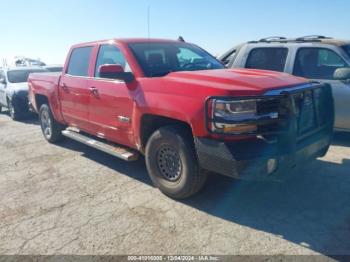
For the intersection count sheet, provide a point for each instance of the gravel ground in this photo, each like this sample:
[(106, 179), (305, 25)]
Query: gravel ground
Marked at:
[(70, 199)]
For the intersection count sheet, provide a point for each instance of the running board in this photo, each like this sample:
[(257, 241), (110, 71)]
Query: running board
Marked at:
[(117, 151)]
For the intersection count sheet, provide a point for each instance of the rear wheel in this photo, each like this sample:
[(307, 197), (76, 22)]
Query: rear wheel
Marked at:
[(172, 163), (52, 130)]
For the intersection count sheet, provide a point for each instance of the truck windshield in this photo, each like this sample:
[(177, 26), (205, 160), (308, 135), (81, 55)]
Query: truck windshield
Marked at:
[(347, 49), (21, 76), (160, 59)]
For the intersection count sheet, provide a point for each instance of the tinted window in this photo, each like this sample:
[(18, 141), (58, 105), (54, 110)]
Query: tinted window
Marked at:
[(21, 76), (2, 74), (317, 63), (160, 59), (229, 58), (109, 54), (79, 61), (267, 59), (347, 49)]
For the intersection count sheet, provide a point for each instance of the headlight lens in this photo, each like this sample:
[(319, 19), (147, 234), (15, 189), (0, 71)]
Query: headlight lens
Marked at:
[(234, 111)]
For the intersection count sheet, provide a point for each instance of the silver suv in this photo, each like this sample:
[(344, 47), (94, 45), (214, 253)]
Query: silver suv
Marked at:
[(318, 58), (14, 89)]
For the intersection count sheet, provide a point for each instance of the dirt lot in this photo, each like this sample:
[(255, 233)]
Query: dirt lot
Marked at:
[(70, 199)]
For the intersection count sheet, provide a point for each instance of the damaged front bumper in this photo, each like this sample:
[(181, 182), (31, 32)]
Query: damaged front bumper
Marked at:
[(302, 132), (257, 159)]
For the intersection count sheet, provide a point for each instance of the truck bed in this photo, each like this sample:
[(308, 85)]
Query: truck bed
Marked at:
[(45, 84)]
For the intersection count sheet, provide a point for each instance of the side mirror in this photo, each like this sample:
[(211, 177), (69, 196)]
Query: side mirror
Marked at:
[(115, 72), (342, 74), (3, 81)]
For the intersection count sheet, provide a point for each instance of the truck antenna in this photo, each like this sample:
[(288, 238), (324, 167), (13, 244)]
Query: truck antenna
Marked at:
[(149, 20)]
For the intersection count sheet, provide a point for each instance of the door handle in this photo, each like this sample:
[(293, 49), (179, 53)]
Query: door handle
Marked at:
[(65, 87), (94, 91)]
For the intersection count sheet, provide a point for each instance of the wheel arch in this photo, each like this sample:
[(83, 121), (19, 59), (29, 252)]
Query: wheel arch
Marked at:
[(40, 100), (150, 123)]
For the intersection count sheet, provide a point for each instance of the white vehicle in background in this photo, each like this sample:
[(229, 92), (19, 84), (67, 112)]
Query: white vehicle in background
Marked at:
[(54, 68), (319, 58), (14, 89), (20, 61), (25, 61)]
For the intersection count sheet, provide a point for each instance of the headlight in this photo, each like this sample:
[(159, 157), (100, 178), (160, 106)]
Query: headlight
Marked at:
[(230, 116), (235, 110)]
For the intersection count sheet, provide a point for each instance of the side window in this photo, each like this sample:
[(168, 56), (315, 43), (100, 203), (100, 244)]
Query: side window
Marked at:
[(267, 59), (79, 61), (229, 58), (110, 54), (317, 63), (185, 56)]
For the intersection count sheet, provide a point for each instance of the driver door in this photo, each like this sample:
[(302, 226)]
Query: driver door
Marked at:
[(341, 94), (320, 64), (111, 105)]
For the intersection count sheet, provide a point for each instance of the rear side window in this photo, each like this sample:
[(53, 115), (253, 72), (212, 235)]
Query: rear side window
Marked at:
[(79, 61), (317, 63), (267, 59)]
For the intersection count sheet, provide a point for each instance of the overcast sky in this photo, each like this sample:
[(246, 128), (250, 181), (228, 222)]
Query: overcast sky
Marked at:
[(46, 29)]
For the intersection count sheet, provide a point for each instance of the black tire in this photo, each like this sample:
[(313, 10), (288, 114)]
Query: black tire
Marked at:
[(52, 130), (323, 152), (14, 112), (172, 162)]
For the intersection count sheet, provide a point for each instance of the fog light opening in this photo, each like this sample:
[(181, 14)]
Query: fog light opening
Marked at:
[(272, 165)]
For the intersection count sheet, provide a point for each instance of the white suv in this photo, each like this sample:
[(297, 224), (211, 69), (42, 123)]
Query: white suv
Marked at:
[(319, 58), (14, 89)]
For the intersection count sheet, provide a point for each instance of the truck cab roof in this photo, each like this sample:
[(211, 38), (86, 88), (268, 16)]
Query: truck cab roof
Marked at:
[(126, 41)]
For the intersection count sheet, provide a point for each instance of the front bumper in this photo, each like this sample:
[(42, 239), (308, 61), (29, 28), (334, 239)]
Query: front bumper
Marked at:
[(303, 131), (249, 159)]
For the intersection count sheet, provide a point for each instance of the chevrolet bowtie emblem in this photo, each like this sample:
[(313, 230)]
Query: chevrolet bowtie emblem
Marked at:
[(124, 119)]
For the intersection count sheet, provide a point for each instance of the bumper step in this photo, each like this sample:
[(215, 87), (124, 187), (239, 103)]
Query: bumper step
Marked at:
[(121, 152)]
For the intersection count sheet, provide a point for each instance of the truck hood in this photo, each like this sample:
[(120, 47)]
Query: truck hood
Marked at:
[(244, 81), (16, 87)]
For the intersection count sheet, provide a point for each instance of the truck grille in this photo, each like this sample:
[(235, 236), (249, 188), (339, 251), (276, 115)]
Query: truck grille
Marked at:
[(308, 109)]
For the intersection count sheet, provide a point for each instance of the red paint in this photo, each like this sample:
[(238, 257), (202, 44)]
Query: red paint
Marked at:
[(179, 95)]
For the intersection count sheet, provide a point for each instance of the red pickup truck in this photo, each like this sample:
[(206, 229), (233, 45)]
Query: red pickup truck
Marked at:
[(183, 110)]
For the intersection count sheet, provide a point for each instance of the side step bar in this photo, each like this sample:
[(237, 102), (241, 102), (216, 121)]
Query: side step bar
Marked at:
[(114, 150)]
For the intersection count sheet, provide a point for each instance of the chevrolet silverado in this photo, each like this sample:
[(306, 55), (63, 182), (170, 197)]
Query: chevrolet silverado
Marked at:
[(178, 106)]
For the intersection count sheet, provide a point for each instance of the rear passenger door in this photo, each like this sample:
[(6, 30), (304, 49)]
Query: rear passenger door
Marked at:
[(320, 64), (267, 58), (73, 89)]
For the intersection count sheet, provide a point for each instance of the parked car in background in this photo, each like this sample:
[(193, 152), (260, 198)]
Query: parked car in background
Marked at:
[(25, 61), (315, 57), (176, 104), (54, 68), (14, 89)]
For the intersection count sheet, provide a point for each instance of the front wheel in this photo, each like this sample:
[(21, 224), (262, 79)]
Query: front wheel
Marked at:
[(172, 163), (14, 112), (52, 130)]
